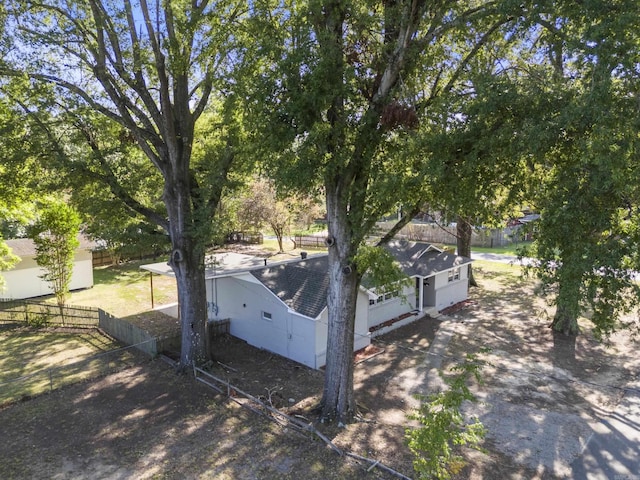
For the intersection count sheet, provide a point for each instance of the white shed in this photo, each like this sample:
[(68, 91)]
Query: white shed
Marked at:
[(23, 280)]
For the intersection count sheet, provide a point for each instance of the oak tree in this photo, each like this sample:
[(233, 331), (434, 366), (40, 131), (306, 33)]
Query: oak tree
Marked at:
[(587, 247), (151, 69), (352, 83)]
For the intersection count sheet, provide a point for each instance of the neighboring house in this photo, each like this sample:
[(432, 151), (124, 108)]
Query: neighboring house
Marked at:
[(525, 219), (282, 307), (516, 227), (23, 280)]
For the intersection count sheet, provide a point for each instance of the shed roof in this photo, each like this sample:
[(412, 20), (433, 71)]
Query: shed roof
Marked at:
[(24, 247)]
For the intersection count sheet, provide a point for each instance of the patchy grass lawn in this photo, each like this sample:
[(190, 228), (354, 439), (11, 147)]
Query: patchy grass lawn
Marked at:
[(497, 274), (124, 290), (34, 361)]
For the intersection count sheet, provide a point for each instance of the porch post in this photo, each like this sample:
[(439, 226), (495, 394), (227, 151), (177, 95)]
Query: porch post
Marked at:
[(151, 283), (421, 294)]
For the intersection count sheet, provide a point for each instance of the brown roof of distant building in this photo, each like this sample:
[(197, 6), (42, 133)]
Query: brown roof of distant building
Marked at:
[(24, 247)]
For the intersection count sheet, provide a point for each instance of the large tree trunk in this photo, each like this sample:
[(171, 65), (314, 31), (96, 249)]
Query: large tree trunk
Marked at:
[(463, 244), (565, 319), (189, 271), (153, 76), (187, 262), (338, 401)]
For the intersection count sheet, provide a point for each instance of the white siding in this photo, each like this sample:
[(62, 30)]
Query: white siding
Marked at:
[(441, 280), (24, 281), (244, 301), (361, 337), (381, 312), (321, 339), (302, 332), (449, 293)]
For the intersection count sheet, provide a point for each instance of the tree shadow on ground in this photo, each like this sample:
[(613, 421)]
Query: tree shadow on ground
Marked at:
[(148, 421)]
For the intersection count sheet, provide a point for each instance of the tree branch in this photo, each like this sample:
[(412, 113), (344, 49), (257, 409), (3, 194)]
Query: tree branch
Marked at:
[(400, 224), (167, 126), (109, 178)]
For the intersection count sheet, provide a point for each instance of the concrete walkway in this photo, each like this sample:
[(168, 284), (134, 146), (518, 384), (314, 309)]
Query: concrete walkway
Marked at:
[(433, 382), (425, 379)]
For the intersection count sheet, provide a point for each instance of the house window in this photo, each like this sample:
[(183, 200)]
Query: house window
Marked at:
[(454, 274), (384, 297), (266, 316)]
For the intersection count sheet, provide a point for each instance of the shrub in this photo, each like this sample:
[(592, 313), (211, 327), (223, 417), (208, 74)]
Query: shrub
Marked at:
[(443, 426)]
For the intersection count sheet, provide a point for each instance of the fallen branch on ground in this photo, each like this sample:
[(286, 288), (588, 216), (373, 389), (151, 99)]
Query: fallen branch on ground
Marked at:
[(291, 421)]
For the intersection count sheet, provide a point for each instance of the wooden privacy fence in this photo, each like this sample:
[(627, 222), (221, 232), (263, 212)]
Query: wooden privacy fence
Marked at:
[(218, 327), (431, 233), (101, 258), (106, 257), (309, 241), (36, 313), (254, 238), (128, 333)]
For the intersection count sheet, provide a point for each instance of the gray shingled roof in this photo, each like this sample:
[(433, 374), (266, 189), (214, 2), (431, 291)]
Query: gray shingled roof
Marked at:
[(303, 285), (422, 259)]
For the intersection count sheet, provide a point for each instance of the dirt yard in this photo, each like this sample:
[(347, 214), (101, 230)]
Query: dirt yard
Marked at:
[(148, 422)]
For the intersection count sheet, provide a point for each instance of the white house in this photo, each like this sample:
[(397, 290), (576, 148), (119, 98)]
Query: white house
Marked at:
[(23, 280), (282, 307)]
